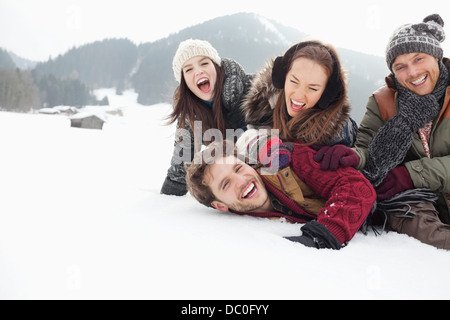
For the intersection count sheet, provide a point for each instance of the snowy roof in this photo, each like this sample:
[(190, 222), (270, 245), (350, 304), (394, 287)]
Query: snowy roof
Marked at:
[(66, 108), (83, 115), (49, 111)]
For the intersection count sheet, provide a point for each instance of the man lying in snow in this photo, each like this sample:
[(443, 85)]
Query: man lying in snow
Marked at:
[(332, 204)]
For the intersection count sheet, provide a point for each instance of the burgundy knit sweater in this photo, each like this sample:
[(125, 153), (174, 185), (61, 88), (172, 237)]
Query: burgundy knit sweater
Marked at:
[(350, 196)]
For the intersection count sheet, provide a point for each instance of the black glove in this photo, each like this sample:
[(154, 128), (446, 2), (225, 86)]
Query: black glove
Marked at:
[(316, 235), (173, 188)]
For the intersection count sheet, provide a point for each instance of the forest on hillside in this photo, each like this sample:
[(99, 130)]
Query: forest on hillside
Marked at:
[(146, 68)]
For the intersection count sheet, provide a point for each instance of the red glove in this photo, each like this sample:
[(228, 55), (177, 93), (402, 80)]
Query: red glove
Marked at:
[(273, 153), (396, 181), (337, 156)]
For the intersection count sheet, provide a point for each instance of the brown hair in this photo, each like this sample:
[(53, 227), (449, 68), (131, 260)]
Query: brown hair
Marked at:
[(196, 171), (310, 125), (188, 107)]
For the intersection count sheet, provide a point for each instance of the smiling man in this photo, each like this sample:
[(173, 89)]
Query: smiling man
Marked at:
[(333, 205), (403, 140), (417, 72)]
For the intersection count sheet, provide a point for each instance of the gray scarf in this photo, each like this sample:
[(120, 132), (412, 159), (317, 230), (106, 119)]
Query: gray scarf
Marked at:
[(390, 144)]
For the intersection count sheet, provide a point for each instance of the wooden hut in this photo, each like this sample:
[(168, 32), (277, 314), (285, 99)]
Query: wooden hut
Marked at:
[(87, 121)]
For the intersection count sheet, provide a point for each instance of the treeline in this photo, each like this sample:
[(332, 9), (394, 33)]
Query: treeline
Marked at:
[(101, 64), (18, 91), (147, 68), (24, 90), (64, 91), (6, 61)]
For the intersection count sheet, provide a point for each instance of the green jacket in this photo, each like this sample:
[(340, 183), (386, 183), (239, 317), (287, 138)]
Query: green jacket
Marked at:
[(432, 173)]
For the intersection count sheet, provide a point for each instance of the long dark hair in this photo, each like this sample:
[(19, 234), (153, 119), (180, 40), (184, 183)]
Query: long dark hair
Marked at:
[(188, 107), (309, 126)]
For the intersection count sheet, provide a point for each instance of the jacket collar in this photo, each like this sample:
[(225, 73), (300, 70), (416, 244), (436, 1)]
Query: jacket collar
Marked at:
[(298, 215)]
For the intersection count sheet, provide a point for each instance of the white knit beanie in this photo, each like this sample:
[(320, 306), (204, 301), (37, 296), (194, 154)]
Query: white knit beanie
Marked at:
[(193, 48)]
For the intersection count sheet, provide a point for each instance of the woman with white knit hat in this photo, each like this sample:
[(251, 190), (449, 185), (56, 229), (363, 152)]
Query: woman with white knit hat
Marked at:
[(210, 91)]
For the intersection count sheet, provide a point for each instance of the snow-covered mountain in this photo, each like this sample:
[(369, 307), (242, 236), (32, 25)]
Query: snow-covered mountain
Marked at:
[(251, 40), (246, 37), (22, 63)]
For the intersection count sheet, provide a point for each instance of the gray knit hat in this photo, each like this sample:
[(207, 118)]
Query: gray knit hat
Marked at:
[(425, 37), (193, 48)]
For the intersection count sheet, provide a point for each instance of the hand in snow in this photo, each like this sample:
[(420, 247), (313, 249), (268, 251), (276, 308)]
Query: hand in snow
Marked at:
[(316, 235)]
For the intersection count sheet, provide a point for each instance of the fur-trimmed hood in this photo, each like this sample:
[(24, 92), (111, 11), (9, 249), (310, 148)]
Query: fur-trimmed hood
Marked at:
[(262, 97)]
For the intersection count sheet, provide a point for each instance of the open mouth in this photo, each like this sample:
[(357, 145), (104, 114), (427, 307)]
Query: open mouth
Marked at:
[(249, 192), (204, 85), (297, 106), (420, 81)]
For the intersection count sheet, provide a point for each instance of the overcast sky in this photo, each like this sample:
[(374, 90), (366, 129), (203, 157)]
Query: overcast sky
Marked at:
[(38, 29)]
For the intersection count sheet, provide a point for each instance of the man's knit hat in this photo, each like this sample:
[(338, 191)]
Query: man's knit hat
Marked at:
[(424, 37), (193, 48)]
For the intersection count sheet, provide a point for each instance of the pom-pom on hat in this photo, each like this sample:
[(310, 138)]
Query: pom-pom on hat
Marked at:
[(424, 37), (193, 48)]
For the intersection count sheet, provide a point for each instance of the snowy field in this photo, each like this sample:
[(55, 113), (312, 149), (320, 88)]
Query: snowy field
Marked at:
[(81, 217)]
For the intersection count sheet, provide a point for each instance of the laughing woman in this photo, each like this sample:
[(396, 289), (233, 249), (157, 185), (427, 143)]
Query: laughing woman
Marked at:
[(211, 90), (303, 94)]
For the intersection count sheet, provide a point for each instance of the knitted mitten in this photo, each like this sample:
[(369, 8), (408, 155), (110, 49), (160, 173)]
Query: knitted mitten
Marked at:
[(173, 188), (268, 150), (396, 181), (335, 157), (316, 235)]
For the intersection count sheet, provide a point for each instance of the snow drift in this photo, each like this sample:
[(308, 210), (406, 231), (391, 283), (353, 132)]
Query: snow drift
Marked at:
[(81, 217)]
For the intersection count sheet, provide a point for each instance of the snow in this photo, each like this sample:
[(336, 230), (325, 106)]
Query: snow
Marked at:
[(271, 27), (81, 217)]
